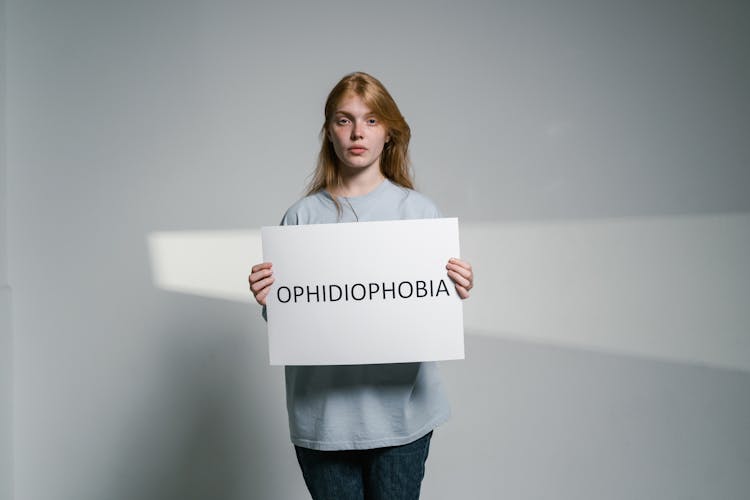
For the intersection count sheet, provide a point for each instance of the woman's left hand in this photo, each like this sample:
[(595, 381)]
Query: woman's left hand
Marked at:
[(462, 275)]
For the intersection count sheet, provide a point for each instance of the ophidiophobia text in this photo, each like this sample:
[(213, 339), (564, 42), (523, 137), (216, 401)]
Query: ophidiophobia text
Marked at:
[(362, 291)]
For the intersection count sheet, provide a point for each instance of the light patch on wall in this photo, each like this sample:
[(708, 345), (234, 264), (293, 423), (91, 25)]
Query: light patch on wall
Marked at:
[(673, 288), (208, 263)]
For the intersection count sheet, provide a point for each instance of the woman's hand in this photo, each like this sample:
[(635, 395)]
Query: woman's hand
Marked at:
[(260, 279), (462, 275)]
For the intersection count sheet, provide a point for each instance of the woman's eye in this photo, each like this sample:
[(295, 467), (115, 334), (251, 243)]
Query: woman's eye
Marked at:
[(372, 121), (342, 121)]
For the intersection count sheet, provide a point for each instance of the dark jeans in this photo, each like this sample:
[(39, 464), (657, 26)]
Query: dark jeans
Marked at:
[(392, 473)]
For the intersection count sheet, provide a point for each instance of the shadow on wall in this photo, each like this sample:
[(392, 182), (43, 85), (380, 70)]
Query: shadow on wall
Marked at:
[(209, 426), (533, 420), (669, 288)]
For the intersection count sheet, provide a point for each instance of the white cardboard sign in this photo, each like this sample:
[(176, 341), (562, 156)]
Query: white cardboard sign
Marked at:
[(363, 292)]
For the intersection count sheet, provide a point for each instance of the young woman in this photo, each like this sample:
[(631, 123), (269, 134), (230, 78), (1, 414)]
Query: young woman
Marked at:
[(363, 431)]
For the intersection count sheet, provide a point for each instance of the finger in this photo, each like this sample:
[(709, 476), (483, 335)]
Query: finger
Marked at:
[(262, 265), (258, 287), (459, 280), (463, 263), (460, 262), (466, 273), (261, 297), (462, 292), (256, 276)]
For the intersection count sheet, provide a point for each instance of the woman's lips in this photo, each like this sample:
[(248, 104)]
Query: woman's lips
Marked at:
[(358, 149)]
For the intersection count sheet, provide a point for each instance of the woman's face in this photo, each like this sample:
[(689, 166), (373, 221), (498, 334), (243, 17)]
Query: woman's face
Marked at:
[(356, 134)]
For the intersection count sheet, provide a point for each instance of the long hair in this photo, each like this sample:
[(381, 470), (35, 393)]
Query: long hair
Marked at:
[(394, 161)]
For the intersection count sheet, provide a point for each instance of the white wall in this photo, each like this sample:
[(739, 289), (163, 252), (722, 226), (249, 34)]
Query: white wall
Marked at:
[(129, 118)]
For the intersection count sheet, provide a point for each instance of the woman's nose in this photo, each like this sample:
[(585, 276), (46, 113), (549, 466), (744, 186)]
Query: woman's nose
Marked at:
[(357, 130)]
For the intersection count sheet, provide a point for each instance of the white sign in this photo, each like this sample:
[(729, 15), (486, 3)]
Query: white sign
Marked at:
[(363, 292)]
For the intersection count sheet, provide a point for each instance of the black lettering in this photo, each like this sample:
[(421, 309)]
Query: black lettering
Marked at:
[(442, 287), (392, 289), (411, 289), (288, 294), (330, 293), (364, 292), (360, 291)]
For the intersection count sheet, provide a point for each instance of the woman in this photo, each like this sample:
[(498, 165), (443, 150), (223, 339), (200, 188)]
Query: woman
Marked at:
[(363, 431)]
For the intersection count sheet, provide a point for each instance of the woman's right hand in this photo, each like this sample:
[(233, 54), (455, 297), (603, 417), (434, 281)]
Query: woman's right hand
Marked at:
[(260, 279)]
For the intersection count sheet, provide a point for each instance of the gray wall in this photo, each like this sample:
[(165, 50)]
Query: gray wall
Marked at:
[(6, 345), (125, 118)]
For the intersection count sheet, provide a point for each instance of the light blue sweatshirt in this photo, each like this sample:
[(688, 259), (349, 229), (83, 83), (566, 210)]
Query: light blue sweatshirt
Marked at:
[(353, 407)]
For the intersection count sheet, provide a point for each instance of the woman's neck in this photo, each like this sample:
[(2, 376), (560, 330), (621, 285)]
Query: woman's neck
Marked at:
[(359, 183)]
